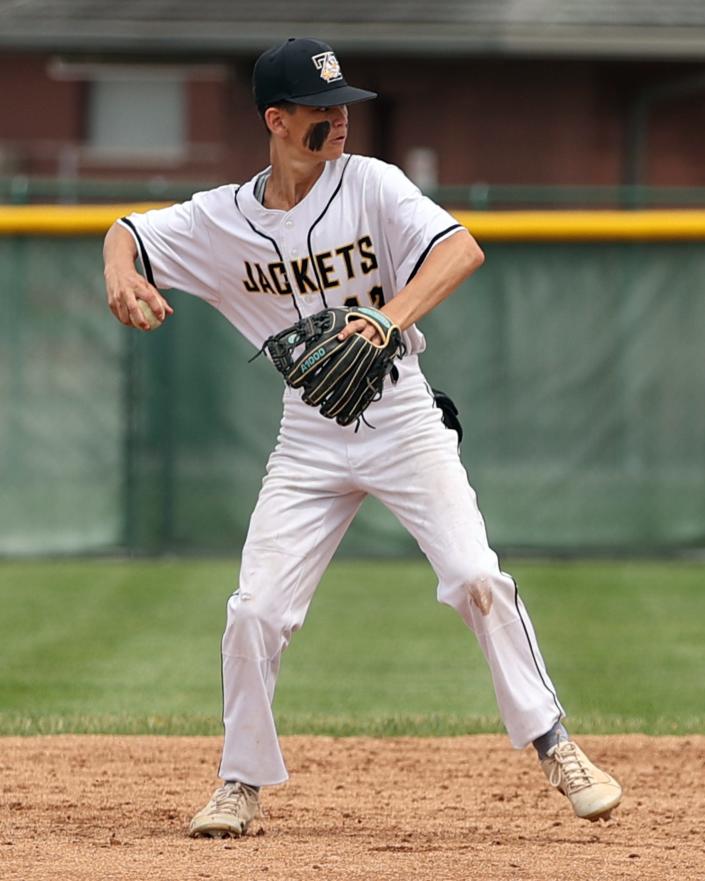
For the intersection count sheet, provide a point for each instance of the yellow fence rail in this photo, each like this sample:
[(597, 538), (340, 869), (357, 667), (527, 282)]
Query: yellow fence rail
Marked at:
[(590, 226), (507, 226), (64, 220)]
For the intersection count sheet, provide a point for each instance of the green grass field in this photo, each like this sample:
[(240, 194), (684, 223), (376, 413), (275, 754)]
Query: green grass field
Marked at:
[(134, 647)]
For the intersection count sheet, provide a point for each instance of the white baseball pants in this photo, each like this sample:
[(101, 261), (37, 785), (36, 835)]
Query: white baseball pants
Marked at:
[(317, 478)]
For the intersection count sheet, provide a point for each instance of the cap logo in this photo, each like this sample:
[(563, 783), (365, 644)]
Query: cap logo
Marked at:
[(327, 64)]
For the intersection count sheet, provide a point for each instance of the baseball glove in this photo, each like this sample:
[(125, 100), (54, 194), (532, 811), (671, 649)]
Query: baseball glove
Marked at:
[(341, 378)]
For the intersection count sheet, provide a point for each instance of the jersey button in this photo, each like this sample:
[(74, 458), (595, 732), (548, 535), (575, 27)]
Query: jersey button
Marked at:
[(288, 223)]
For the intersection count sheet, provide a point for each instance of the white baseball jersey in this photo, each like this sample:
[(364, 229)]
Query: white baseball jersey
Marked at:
[(357, 238)]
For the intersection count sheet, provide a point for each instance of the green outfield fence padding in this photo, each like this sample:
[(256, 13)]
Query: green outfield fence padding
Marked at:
[(578, 370)]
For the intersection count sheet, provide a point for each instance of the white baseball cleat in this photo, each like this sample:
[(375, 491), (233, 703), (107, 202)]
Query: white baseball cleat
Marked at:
[(592, 792), (229, 812)]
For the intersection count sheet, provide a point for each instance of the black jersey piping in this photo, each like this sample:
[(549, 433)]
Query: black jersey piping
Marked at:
[(254, 228), (428, 247), (315, 223), (269, 239), (144, 256)]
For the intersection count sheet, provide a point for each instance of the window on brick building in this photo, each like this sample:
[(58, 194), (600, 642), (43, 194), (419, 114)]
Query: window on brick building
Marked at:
[(134, 115)]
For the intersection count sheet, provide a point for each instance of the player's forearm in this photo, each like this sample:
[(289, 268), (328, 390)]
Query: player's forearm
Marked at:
[(445, 268), (125, 287), (119, 249)]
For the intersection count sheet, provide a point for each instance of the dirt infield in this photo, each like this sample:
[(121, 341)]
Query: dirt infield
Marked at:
[(76, 808)]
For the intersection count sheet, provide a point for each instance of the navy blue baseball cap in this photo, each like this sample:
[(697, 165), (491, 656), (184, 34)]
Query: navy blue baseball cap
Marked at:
[(303, 71)]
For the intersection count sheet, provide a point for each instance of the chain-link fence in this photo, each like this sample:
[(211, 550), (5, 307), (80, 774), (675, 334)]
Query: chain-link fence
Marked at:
[(578, 370)]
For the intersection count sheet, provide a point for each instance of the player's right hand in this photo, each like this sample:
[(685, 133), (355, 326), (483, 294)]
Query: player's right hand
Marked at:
[(124, 289)]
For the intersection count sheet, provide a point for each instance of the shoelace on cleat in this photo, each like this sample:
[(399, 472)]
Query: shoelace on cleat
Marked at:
[(569, 771), (228, 799)]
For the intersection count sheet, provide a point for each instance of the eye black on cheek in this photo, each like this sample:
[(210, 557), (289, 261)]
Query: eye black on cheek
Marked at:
[(316, 136)]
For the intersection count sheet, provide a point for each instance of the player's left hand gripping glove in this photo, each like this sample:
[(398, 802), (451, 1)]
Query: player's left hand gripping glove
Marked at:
[(341, 378)]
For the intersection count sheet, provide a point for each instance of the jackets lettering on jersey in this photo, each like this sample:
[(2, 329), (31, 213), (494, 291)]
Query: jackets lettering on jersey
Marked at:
[(344, 263), (355, 239)]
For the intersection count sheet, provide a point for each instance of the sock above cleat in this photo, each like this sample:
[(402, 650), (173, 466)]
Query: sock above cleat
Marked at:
[(544, 744), (248, 785)]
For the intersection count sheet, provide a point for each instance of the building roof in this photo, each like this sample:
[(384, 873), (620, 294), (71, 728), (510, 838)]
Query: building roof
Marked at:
[(617, 28)]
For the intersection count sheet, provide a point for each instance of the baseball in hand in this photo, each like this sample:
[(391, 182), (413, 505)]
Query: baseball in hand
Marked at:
[(152, 319)]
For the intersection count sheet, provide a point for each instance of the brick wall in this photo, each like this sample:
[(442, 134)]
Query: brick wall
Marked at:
[(491, 121)]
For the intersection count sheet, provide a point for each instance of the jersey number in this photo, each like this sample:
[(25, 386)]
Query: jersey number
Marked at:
[(376, 297)]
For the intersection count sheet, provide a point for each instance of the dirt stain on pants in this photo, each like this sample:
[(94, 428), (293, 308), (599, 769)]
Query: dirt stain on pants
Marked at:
[(481, 595)]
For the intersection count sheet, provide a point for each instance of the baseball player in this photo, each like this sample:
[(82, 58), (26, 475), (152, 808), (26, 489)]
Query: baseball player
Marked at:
[(321, 228)]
